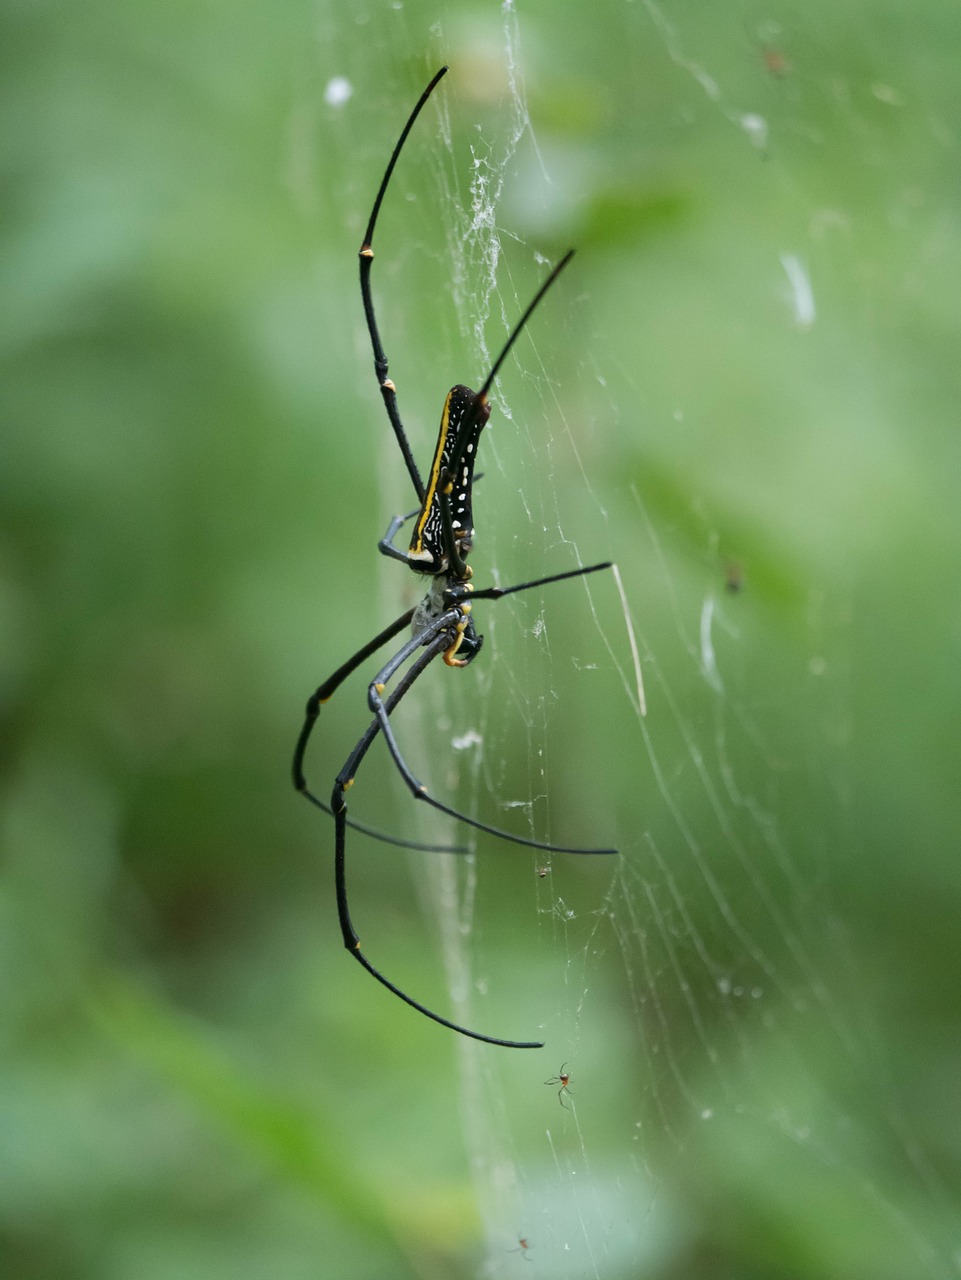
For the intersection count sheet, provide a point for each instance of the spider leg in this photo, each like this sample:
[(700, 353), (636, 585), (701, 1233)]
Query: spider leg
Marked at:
[(519, 327), (434, 640), (480, 400), (495, 593), (375, 700), (397, 841), (330, 686), (420, 792), (386, 545), (314, 703), (344, 779), (387, 388), (437, 639), (352, 943)]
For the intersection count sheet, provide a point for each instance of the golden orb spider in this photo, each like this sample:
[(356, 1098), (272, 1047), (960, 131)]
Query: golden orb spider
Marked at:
[(442, 624)]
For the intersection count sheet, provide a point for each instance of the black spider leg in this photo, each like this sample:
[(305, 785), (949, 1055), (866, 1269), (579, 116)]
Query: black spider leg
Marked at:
[(437, 637), (495, 593), (436, 646), (386, 545), (387, 388), (448, 623), (457, 562), (519, 327), (316, 701)]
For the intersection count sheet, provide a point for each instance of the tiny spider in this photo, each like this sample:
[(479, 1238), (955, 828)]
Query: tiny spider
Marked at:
[(563, 1078), (734, 577), (522, 1246)]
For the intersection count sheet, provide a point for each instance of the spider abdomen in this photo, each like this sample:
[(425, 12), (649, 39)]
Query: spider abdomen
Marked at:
[(451, 479)]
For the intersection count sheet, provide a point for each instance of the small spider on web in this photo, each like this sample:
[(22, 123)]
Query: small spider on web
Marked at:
[(562, 1078)]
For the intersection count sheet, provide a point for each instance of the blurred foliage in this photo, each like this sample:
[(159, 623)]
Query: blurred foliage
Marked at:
[(194, 470)]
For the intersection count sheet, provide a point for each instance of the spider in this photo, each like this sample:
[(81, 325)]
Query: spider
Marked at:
[(442, 624), (563, 1078)]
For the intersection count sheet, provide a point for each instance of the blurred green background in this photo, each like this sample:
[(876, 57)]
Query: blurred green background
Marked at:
[(748, 378)]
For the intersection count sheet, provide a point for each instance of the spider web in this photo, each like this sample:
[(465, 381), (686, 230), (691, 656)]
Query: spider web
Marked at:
[(702, 978), (743, 390)]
